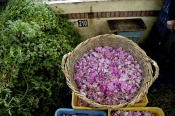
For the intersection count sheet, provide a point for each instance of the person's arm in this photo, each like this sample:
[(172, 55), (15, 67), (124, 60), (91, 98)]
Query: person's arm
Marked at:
[(171, 15)]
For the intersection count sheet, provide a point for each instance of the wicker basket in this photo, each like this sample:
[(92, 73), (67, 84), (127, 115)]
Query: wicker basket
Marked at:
[(149, 73)]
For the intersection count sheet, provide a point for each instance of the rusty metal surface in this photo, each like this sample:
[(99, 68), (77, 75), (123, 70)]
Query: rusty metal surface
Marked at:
[(120, 25)]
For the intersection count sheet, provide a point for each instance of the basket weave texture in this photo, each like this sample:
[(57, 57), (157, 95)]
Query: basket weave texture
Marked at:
[(150, 69)]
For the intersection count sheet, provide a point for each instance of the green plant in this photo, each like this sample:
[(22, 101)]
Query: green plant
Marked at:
[(33, 40), (2, 5)]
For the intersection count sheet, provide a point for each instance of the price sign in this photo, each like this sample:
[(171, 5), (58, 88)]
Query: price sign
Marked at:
[(83, 23)]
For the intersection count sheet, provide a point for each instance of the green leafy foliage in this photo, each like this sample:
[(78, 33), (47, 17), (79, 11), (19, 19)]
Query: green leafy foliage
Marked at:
[(33, 40)]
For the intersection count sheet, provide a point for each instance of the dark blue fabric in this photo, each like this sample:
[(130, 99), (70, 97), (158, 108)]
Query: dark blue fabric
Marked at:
[(171, 12)]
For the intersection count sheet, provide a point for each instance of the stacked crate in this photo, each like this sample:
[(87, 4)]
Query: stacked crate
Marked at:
[(72, 112), (91, 111), (140, 106)]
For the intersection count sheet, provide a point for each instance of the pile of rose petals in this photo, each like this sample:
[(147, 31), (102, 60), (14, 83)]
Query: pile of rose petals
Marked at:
[(108, 76)]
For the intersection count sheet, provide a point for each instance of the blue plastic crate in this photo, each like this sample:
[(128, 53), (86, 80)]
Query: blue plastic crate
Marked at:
[(129, 28), (132, 35), (72, 112)]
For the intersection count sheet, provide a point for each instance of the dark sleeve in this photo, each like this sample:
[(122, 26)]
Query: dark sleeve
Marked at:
[(171, 12)]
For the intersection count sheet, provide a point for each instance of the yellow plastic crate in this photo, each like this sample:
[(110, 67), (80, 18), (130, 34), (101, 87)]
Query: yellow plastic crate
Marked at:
[(155, 110), (74, 104), (142, 103)]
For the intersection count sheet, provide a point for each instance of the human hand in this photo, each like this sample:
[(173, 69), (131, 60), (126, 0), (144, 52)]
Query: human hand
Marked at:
[(171, 25)]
